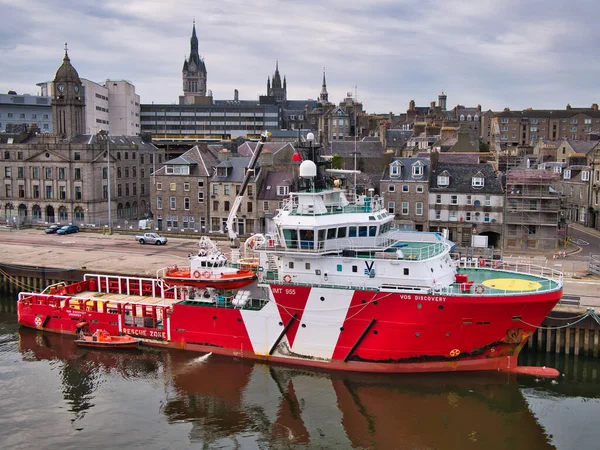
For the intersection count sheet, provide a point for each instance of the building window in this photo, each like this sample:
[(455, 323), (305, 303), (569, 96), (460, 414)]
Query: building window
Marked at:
[(417, 170), (134, 171), (158, 186), (438, 199), (468, 216), (391, 188), (127, 189), (454, 199), (200, 183), (48, 173), (200, 197), (77, 156), (404, 208), (118, 172), (469, 200), (48, 192), (226, 190), (486, 217), (405, 188), (215, 189), (226, 205), (585, 176), (477, 182), (443, 180), (186, 186), (62, 192), (488, 200), (104, 192), (395, 170), (265, 206), (249, 207), (119, 190), (173, 186), (186, 203), (438, 215), (419, 188), (126, 171), (392, 207), (215, 205), (283, 190), (36, 191), (35, 173), (172, 203), (567, 174), (419, 208), (78, 193), (104, 173), (158, 202), (77, 174)]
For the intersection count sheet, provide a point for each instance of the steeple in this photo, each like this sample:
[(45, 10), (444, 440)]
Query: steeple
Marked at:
[(324, 96), (194, 71), (268, 84)]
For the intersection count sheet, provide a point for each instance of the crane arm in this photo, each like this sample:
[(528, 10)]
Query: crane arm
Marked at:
[(238, 200)]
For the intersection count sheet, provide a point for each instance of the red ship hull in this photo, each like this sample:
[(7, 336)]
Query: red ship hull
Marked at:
[(352, 330)]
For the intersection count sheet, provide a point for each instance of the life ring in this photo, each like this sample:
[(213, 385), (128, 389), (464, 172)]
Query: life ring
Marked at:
[(38, 321), (287, 278), (78, 288), (454, 353), (206, 274), (479, 289), (196, 274)]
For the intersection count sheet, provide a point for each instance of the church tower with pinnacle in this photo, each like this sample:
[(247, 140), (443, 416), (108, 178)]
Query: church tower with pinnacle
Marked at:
[(324, 96), (276, 88), (68, 104), (193, 73)]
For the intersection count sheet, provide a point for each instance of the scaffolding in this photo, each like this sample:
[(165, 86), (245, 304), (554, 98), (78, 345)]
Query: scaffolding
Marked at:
[(532, 210)]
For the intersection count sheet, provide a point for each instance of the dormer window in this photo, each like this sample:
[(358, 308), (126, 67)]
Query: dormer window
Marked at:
[(557, 169), (443, 179), (477, 181), (462, 117), (283, 190), (221, 171), (567, 174), (417, 169), (585, 176), (395, 168), (469, 117), (177, 170)]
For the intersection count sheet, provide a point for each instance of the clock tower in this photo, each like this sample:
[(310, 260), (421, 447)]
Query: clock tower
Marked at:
[(68, 104), (193, 74)]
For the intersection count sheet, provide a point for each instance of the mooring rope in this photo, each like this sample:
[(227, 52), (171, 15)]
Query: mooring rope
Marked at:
[(14, 280), (589, 313)]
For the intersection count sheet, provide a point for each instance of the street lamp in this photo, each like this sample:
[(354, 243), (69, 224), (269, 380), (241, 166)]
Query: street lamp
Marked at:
[(105, 134)]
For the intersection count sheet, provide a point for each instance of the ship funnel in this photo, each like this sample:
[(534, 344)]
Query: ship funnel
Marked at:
[(308, 169)]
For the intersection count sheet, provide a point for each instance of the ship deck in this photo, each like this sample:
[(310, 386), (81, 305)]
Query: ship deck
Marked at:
[(506, 282)]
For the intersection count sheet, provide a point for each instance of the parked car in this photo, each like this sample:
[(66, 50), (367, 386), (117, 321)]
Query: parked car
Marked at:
[(67, 229), (151, 238), (52, 229)]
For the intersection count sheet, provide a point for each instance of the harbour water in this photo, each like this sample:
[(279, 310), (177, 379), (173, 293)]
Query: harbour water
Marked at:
[(57, 396)]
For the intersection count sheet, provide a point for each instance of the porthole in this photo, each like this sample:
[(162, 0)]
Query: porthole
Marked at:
[(417, 334), (322, 299), (375, 332), (214, 317), (303, 325), (447, 334), (341, 328), (363, 301), (441, 307), (375, 302)]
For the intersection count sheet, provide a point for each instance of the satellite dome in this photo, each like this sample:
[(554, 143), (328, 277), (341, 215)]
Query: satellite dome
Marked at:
[(308, 169)]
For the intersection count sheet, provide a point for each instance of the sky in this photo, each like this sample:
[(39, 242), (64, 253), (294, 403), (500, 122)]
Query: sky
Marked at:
[(515, 53)]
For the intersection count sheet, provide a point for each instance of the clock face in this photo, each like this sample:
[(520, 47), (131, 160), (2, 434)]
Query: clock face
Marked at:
[(60, 87), (76, 88), (192, 67)]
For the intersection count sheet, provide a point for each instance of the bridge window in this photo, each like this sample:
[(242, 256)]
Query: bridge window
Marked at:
[(352, 231), (372, 231), (331, 233), (362, 231), (339, 267), (341, 232)]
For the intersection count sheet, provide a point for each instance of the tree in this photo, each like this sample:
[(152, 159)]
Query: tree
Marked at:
[(337, 162)]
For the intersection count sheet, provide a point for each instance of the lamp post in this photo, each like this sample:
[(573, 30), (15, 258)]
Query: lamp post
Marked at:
[(105, 134)]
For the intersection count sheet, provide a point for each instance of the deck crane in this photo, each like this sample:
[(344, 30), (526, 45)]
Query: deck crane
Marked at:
[(231, 219)]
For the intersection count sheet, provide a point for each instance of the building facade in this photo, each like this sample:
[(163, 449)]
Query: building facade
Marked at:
[(70, 176), (467, 200), (34, 111), (405, 189), (180, 191)]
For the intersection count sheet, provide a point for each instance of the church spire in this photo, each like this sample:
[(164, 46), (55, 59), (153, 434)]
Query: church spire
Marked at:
[(324, 96)]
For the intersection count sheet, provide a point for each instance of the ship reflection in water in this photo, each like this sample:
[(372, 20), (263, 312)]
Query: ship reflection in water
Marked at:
[(173, 398)]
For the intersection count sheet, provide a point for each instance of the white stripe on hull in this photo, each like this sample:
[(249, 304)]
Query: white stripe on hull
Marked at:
[(323, 320)]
